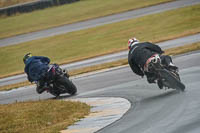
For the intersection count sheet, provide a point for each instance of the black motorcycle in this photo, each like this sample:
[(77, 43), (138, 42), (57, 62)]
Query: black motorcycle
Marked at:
[(168, 77), (57, 81)]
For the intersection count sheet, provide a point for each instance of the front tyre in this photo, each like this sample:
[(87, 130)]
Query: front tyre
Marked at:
[(66, 86)]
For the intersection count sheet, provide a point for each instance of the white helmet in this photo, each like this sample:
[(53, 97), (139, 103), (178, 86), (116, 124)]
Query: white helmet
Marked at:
[(132, 42)]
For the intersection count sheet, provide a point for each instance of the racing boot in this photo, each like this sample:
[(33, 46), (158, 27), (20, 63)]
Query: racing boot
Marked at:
[(41, 87)]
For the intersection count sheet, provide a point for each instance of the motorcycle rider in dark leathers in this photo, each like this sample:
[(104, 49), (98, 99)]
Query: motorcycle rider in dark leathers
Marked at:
[(36, 68), (139, 55)]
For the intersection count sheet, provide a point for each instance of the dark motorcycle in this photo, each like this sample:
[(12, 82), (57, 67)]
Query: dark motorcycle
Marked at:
[(57, 81), (168, 77)]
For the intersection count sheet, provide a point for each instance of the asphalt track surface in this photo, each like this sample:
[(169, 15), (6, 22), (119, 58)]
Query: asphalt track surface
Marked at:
[(97, 22), (152, 110)]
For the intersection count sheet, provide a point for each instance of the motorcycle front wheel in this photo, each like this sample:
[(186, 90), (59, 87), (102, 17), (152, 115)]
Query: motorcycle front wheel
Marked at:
[(66, 86)]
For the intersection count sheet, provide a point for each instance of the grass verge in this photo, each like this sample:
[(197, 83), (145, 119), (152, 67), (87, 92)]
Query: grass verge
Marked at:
[(101, 40), (66, 14), (46, 116), (171, 51)]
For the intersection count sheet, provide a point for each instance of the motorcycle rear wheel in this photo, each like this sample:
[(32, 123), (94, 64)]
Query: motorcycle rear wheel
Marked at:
[(170, 80)]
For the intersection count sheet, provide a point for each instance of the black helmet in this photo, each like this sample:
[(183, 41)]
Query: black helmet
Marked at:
[(26, 57)]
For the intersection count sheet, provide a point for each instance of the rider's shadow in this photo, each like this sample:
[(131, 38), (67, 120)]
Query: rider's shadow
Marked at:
[(161, 96)]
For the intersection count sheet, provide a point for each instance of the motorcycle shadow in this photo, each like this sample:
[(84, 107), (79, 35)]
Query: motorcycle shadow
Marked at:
[(63, 97), (161, 96)]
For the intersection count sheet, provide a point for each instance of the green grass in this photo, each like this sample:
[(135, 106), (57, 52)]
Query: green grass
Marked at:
[(103, 39), (69, 13), (46, 116)]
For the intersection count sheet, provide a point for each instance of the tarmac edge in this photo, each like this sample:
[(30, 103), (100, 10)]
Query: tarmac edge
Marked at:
[(104, 111)]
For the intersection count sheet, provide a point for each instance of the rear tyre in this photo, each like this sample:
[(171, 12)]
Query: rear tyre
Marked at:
[(170, 80)]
